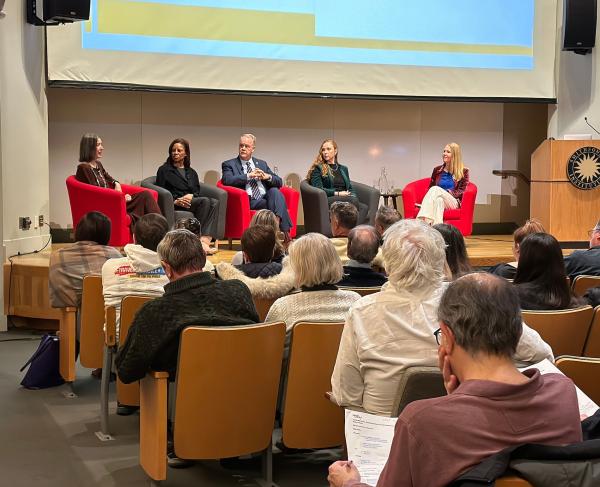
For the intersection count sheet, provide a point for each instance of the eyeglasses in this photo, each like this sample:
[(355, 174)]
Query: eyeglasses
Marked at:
[(437, 333)]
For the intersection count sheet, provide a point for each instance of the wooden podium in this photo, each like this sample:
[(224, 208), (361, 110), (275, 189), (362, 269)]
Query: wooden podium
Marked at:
[(566, 211)]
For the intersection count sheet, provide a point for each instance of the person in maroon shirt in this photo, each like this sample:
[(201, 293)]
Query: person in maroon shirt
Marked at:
[(490, 404)]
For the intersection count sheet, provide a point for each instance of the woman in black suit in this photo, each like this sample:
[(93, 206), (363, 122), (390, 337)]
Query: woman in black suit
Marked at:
[(182, 181)]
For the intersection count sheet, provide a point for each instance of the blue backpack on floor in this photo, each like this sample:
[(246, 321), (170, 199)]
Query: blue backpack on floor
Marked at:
[(44, 365)]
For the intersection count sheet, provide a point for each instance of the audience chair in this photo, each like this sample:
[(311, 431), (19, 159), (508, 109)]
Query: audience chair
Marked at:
[(220, 412), (461, 218), (310, 420), (127, 394), (564, 330), (592, 344), (316, 206), (512, 481), (165, 201), (363, 291), (92, 323), (85, 197), (263, 305), (582, 283), (584, 372), (239, 213), (67, 336), (416, 383)]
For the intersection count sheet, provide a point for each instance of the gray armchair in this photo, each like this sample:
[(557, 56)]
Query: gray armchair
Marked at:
[(316, 208), (165, 202)]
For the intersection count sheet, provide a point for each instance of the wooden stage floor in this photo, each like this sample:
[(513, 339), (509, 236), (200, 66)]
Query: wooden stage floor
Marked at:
[(26, 287)]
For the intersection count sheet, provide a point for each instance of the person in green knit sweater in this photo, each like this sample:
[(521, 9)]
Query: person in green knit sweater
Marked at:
[(328, 174), (191, 297)]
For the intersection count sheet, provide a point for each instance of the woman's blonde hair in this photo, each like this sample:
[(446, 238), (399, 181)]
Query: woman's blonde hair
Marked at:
[(457, 166), (319, 162), (314, 261), (268, 218)]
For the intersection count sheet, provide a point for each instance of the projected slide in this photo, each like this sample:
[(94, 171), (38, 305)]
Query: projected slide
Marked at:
[(486, 34)]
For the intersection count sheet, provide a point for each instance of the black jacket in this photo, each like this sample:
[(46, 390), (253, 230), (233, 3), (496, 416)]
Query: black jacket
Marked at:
[(361, 277), (168, 177), (260, 269), (583, 262)]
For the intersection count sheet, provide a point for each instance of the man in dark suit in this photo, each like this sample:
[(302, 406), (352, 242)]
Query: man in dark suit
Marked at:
[(256, 178)]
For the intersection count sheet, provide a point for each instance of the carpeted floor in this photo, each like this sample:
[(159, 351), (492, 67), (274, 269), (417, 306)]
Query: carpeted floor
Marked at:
[(48, 439)]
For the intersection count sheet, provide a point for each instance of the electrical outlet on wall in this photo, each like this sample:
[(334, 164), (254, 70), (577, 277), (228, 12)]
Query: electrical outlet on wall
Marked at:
[(24, 223), (41, 220)]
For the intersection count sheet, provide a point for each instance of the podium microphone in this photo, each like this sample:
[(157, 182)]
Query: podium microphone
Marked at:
[(591, 126)]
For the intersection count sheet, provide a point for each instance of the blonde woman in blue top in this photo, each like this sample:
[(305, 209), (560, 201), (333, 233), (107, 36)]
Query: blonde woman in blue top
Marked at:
[(328, 174)]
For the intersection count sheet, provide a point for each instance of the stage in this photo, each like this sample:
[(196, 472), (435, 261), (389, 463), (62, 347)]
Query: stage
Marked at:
[(26, 286)]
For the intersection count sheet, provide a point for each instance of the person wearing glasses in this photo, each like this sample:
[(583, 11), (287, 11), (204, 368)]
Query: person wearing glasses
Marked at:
[(256, 178), (387, 332), (585, 262), (490, 405)]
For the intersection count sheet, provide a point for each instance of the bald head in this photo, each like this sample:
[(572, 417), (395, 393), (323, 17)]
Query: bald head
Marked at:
[(363, 244)]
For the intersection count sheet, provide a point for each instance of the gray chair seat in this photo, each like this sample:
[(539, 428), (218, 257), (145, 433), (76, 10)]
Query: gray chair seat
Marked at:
[(316, 207), (165, 202)]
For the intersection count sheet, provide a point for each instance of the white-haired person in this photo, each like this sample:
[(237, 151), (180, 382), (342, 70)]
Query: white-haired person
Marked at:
[(387, 332), (448, 183), (317, 268)]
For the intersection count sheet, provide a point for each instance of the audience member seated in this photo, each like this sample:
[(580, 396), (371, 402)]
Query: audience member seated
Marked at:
[(456, 252), (585, 262), (91, 171), (191, 297), (194, 226), (87, 255), (541, 281), (385, 217), (258, 247), (363, 245), (343, 217), (490, 404), (387, 332), (139, 273), (265, 217), (509, 270), (261, 288), (317, 268)]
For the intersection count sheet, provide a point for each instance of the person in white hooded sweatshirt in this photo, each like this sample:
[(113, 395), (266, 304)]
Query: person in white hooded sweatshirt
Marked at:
[(140, 273)]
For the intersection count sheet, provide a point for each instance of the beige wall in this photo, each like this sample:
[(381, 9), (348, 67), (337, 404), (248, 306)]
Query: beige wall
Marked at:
[(405, 137), (23, 132)]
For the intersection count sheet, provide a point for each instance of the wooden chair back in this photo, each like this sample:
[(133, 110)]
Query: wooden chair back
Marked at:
[(582, 283), (564, 330), (584, 372), (592, 344), (309, 419), (416, 383), (263, 305), (91, 338), (66, 344), (227, 385), (363, 291), (129, 394), (512, 481)]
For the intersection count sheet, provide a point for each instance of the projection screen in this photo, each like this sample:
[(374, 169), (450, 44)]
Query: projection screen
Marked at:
[(484, 49)]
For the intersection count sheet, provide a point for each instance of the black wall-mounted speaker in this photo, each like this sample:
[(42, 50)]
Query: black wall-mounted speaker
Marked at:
[(52, 12), (579, 25)]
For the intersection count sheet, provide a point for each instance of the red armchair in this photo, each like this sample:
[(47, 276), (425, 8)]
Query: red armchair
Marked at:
[(461, 218), (239, 213), (85, 197)]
